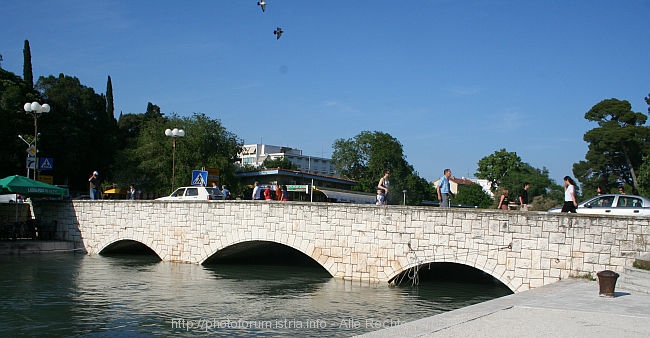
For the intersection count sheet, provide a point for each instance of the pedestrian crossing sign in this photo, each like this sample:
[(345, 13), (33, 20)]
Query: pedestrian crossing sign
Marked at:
[(199, 178), (46, 163)]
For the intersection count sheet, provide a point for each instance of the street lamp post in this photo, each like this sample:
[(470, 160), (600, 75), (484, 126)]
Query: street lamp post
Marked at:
[(174, 133), (29, 145), (36, 109), (404, 191)]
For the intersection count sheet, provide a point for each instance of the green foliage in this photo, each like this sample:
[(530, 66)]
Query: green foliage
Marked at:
[(543, 203), (495, 167), (644, 176), (282, 163), (14, 92), (474, 195), (110, 108), (77, 132), (28, 75), (507, 170), (616, 147), (147, 161), (364, 159)]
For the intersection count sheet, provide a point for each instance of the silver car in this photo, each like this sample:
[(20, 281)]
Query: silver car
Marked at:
[(613, 204)]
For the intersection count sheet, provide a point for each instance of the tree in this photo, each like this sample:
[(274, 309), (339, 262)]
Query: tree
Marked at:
[(495, 167), (364, 158), (77, 132), (507, 170), (110, 108), (282, 163), (644, 169), (28, 75), (207, 144), (14, 92), (474, 195), (616, 147)]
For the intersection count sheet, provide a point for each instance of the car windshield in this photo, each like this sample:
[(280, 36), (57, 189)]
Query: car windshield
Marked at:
[(178, 192), (601, 202)]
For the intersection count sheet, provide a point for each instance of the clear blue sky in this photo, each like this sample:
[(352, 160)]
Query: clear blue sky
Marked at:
[(453, 81)]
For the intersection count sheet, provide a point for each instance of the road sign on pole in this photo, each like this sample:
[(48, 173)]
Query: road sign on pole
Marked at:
[(31, 162), (31, 151), (199, 178), (45, 163)]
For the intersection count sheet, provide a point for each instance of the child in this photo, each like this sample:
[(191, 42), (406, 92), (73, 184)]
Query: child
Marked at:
[(380, 197)]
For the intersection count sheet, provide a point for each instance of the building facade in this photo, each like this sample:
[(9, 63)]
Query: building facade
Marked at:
[(255, 154)]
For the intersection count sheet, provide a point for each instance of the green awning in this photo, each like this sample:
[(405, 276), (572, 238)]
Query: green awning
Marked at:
[(30, 188)]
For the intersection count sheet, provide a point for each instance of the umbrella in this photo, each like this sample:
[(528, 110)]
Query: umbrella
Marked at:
[(28, 187)]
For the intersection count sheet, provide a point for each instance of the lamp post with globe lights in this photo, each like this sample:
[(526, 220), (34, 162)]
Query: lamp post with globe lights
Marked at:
[(36, 109), (174, 133)]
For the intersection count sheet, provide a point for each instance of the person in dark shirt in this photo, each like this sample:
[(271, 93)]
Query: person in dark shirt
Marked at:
[(523, 197)]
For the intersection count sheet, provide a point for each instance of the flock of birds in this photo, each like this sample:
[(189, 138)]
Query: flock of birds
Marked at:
[(278, 31)]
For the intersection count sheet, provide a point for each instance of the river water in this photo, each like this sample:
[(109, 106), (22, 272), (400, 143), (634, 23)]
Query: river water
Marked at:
[(136, 295)]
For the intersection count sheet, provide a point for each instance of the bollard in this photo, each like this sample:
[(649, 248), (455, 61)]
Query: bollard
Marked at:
[(607, 282)]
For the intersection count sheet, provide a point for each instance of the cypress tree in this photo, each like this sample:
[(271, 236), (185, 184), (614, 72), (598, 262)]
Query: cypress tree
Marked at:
[(27, 65), (110, 108)]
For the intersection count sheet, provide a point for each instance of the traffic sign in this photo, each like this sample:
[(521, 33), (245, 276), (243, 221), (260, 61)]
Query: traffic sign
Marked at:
[(199, 177), (45, 163), (31, 151), (49, 179), (30, 163)]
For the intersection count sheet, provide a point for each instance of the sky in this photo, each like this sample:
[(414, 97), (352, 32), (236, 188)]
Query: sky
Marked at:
[(453, 81)]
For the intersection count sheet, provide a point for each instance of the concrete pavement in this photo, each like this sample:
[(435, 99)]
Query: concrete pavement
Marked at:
[(568, 308)]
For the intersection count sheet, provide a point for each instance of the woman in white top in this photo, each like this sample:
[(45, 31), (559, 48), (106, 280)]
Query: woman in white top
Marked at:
[(570, 203), (383, 185)]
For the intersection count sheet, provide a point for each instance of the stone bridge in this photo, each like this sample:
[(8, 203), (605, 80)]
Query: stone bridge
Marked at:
[(371, 243)]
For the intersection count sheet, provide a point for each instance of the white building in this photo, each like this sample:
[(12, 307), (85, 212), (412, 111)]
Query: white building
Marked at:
[(255, 154)]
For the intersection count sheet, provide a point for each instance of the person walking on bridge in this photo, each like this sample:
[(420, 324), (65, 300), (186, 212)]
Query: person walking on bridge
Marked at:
[(570, 202), (444, 189), (257, 193), (383, 185), (94, 186)]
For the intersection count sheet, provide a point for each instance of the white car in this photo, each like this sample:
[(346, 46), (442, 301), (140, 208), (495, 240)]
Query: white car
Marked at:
[(613, 204), (194, 193), (11, 198)]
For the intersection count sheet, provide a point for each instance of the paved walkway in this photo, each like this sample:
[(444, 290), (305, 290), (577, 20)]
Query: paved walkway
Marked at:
[(568, 308)]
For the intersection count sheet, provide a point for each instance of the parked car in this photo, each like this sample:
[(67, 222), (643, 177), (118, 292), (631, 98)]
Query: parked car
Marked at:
[(11, 198), (194, 193), (613, 204)]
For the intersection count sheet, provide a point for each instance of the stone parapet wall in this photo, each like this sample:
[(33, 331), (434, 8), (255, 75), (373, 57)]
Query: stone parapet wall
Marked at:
[(523, 250)]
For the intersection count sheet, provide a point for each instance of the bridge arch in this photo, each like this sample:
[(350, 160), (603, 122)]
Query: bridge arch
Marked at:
[(267, 250), (451, 271), (128, 246), (486, 263)]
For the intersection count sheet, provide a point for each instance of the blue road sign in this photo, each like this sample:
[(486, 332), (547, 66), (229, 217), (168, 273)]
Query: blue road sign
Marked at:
[(46, 163), (199, 177)]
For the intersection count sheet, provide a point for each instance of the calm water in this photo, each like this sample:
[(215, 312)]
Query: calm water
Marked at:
[(98, 296)]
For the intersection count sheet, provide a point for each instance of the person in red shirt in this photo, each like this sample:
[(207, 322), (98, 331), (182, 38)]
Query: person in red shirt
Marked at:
[(267, 193), (278, 192)]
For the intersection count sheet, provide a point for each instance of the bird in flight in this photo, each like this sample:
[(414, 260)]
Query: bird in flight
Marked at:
[(278, 31), (262, 4)]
